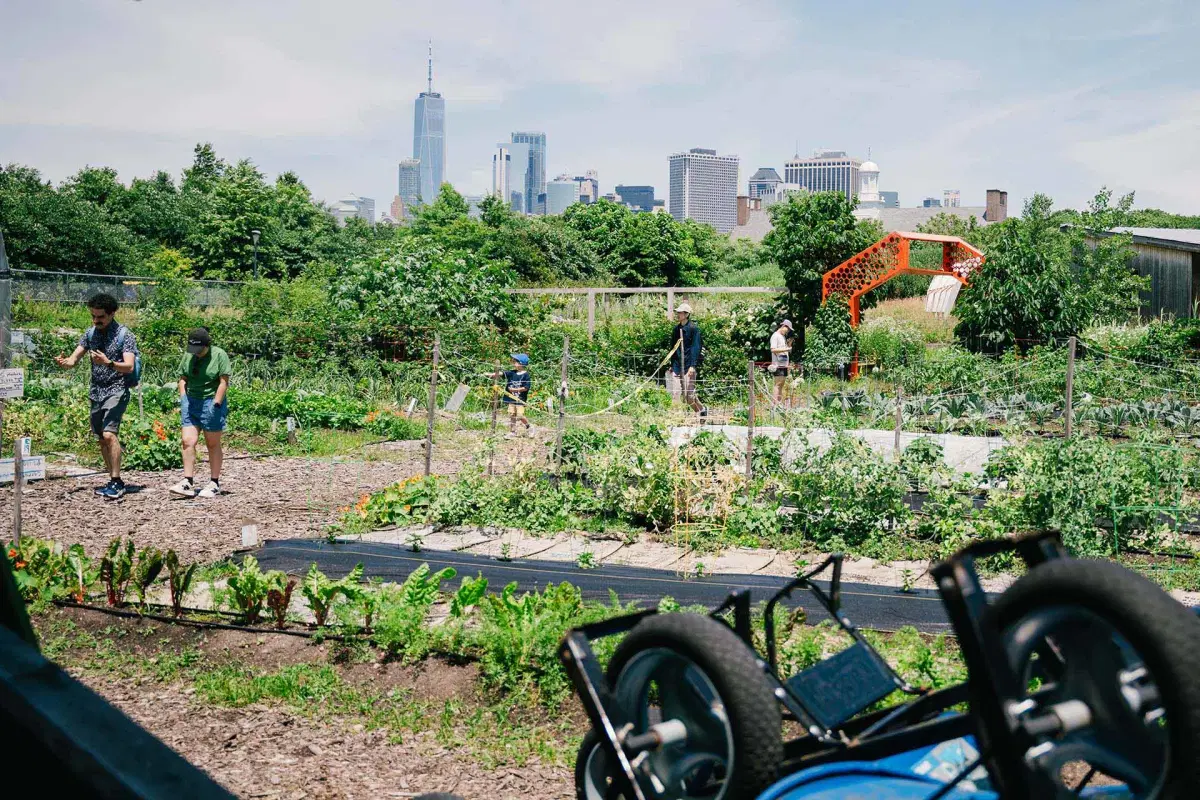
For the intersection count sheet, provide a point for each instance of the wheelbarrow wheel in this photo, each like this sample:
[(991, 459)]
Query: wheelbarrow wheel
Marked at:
[(694, 674), (1124, 655)]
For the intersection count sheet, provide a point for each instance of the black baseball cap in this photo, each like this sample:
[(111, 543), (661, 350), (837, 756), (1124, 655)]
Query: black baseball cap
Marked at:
[(198, 339)]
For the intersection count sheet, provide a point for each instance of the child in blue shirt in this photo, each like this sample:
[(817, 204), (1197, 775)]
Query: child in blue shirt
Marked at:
[(517, 383)]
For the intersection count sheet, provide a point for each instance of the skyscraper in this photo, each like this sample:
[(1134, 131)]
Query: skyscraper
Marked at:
[(639, 198), (589, 186), (501, 172), (765, 184), (704, 188), (518, 190), (534, 182), (951, 198), (409, 187), (826, 171), (429, 138)]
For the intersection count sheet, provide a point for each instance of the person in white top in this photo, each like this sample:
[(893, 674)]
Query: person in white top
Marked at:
[(781, 350)]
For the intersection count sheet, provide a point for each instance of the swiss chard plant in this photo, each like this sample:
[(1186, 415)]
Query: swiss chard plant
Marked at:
[(279, 596), (116, 570), (321, 592), (179, 580), (145, 571)]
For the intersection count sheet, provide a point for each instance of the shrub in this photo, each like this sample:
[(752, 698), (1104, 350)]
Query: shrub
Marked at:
[(889, 342), (833, 342)]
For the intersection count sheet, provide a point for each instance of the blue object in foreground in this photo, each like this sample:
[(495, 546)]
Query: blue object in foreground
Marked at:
[(915, 775)]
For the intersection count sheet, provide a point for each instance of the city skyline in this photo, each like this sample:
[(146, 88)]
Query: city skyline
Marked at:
[(1058, 98)]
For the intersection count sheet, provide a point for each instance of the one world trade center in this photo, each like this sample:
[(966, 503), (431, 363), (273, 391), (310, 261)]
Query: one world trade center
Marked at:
[(429, 138)]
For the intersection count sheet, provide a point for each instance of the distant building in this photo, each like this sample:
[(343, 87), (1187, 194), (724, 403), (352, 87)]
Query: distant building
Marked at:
[(561, 194), (660, 206), (501, 172), (589, 186), (353, 206), (826, 171), (931, 202), (890, 199), (950, 198), (765, 183), (409, 188), (397, 208), (532, 169), (473, 201), (704, 188), (639, 198), (519, 155), (429, 138), (997, 206)]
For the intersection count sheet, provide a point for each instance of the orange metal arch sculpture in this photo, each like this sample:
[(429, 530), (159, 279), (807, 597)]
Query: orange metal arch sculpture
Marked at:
[(888, 258)]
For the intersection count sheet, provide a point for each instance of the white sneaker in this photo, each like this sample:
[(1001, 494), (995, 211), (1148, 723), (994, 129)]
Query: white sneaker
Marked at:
[(510, 435), (212, 490), (529, 432), (183, 489)]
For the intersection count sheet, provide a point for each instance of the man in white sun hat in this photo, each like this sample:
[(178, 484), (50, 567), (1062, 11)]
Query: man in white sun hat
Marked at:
[(687, 357), (781, 352)]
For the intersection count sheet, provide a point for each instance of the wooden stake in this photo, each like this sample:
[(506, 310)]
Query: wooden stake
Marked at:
[(899, 418), (562, 405), (18, 481), (591, 296), (749, 424), (1069, 413), (437, 350), (495, 416)]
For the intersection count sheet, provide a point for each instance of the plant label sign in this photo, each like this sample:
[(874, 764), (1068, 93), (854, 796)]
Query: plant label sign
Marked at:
[(456, 400), (12, 383), (26, 445), (249, 536), (33, 468)]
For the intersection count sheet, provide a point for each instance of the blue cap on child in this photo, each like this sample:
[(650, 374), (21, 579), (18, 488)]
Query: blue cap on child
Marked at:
[(521, 359)]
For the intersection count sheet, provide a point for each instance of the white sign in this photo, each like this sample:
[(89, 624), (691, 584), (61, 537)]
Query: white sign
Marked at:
[(291, 422), (12, 383), (26, 444), (249, 536), (32, 469)]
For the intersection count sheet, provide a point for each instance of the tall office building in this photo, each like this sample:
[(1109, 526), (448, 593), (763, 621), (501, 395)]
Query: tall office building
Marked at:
[(639, 198), (951, 198), (826, 171), (518, 191), (704, 188), (764, 183), (534, 182), (409, 184), (501, 172), (890, 199), (429, 138), (561, 193)]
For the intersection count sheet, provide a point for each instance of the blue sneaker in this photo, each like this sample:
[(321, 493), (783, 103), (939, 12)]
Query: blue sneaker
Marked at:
[(115, 490), (100, 490)]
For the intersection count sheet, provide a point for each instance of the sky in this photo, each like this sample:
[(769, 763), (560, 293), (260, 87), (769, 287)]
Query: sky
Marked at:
[(1060, 98)]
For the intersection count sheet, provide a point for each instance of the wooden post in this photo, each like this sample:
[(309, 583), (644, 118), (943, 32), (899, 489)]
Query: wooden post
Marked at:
[(749, 423), (899, 418), (495, 417), (1069, 412), (18, 480), (670, 303), (437, 350), (562, 405), (591, 312), (141, 405)]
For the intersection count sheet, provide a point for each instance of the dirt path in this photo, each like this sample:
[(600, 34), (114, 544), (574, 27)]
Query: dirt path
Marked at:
[(265, 750)]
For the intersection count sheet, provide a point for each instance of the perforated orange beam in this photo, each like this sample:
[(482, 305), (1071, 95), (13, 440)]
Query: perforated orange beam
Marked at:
[(889, 257)]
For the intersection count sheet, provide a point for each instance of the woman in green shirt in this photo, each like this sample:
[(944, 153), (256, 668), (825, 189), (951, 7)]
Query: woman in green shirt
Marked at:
[(203, 384)]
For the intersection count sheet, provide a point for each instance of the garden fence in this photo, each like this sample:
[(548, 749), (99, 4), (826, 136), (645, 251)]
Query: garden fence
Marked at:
[(77, 287)]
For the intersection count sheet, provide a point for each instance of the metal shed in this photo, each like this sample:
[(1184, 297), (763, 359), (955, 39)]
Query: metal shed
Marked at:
[(1171, 257)]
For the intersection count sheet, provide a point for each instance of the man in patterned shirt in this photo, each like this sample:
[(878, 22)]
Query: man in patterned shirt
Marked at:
[(113, 352)]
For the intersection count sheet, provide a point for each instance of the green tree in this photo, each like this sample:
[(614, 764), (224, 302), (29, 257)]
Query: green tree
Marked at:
[(441, 213), (221, 244), (49, 229), (833, 342), (1041, 281), (812, 234)]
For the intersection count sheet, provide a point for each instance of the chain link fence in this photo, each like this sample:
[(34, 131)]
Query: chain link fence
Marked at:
[(77, 287)]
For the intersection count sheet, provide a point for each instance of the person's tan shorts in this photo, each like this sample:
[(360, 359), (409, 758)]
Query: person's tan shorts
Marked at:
[(516, 410), (687, 385)]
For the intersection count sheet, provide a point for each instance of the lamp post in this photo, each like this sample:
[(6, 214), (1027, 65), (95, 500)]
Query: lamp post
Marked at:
[(254, 235)]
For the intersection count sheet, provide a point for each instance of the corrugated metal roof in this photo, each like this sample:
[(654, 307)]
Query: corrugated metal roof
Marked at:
[(1180, 238)]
